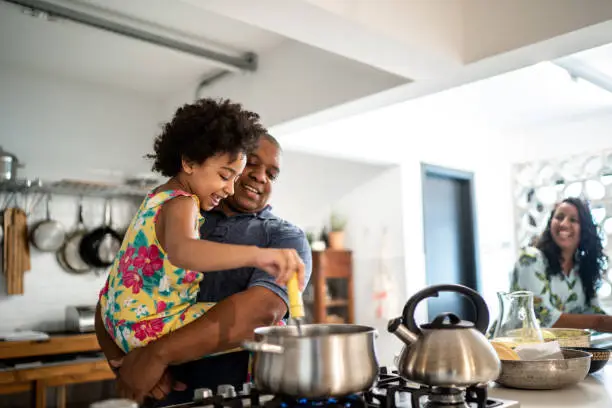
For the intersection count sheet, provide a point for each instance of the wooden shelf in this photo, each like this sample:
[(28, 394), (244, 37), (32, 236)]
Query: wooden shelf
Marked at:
[(336, 302), (54, 345), (57, 373), (332, 268)]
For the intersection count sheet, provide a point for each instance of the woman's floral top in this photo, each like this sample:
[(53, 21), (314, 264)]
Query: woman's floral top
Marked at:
[(145, 296), (552, 296)]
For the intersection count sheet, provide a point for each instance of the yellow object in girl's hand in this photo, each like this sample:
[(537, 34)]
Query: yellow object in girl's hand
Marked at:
[(296, 305)]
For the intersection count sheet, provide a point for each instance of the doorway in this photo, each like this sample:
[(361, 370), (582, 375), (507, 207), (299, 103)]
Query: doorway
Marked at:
[(450, 237)]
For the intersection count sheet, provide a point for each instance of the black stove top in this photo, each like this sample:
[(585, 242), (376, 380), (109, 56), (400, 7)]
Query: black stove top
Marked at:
[(390, 391), (391, 388)]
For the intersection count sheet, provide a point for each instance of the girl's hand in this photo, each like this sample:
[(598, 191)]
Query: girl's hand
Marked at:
[(281, 263)]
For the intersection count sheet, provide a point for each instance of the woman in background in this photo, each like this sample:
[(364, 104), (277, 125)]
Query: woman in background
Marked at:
[(564, 270)]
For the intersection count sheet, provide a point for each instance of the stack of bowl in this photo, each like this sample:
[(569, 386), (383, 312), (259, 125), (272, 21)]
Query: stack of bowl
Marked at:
[(547, 374), (579, 339)]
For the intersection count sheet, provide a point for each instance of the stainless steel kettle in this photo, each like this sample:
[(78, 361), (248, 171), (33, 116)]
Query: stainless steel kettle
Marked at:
[(448, 352)]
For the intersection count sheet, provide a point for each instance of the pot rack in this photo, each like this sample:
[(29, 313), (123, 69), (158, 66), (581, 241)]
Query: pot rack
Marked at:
[(75, 188), (34, 190)]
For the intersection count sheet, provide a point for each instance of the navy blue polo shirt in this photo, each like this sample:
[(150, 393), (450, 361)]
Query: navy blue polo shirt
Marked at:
[(263, 229)]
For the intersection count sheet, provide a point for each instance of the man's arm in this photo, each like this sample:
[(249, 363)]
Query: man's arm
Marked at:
[(234, 319), (107, 344), (223, 327), (285, 235)]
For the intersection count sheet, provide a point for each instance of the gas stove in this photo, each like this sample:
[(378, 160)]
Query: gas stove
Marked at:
[(390, 391)]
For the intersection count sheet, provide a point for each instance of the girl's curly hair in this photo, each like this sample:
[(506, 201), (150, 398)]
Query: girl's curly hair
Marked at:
[(202, 130), (591, 259)]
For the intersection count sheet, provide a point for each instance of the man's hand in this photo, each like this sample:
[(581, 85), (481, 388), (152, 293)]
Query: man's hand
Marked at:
[(159, 392), (280, 263), (142, 372)]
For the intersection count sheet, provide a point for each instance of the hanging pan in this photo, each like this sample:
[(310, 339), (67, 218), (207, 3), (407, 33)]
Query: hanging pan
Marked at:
[(48, 235), (69, 255), (99, 247)]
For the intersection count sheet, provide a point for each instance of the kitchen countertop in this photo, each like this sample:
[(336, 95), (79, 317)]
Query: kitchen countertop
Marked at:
[(594, 392)]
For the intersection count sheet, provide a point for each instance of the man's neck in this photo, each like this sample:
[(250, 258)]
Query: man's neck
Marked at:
[(229, 210)]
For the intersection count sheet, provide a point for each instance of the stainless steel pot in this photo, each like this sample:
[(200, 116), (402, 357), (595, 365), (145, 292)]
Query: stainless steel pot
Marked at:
[(328, 360), (8, 166)]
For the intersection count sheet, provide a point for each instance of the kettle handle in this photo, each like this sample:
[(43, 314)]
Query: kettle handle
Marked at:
[(482, 311)]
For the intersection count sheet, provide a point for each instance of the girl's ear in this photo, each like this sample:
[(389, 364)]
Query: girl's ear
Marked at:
[(187, 166)]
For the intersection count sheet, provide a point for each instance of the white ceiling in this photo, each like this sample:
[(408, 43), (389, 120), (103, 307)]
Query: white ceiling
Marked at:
[(539, 95), (84, 53), (423, 40)]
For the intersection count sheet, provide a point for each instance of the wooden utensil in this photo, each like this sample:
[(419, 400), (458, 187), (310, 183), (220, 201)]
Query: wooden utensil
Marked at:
[(23, 237), (7, 218), (15, 242), (18, 249), (23, 248), (13, 264)]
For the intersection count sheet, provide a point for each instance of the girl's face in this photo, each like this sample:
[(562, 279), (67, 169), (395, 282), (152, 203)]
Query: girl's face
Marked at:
[(565, 227), (213, 180)]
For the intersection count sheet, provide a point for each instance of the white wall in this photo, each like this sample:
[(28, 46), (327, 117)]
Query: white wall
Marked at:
[(63, 129), (375, 208), (310, 187)]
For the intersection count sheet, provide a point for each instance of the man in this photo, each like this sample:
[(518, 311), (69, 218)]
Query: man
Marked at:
[(247, 298)]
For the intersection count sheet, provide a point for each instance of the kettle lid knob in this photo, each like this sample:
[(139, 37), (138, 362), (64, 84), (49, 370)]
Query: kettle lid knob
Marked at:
[(447, 321)]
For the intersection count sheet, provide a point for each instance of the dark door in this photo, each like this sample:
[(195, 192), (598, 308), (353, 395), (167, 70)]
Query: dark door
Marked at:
[(450, 253)]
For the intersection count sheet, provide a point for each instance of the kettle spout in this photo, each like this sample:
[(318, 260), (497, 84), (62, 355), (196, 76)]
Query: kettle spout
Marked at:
[(396, 327)]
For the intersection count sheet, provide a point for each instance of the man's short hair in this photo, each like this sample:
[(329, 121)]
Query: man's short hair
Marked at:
[(272, 140)]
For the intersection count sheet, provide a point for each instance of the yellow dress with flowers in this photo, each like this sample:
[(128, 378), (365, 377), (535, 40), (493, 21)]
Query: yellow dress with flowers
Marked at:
[(145, 296)]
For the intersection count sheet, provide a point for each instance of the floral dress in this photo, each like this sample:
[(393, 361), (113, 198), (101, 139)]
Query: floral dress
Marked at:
[(552, 296), (145, 296)]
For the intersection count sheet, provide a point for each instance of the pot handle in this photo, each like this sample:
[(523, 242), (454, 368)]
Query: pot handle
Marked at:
[(262, 347), (482, 312)]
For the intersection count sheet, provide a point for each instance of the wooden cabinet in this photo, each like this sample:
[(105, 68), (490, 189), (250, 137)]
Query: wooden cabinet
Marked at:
[(329, 295)]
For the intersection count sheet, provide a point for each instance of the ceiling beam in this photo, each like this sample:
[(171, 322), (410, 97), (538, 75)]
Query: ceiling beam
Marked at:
[(247, 62), (580, 70)]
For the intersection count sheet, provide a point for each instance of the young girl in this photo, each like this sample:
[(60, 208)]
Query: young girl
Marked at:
[(152, 285)]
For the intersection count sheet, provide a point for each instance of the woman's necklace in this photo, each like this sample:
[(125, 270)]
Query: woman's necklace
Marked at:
[(567, 266)]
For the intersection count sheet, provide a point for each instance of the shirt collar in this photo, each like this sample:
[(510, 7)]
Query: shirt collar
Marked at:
[(264, 214)]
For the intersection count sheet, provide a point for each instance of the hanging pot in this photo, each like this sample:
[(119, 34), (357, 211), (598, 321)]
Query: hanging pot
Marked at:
[(8, 166)]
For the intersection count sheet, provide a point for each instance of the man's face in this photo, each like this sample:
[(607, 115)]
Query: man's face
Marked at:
[(253, 188)]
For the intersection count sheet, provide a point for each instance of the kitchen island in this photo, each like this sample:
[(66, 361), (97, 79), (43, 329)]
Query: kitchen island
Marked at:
[(595, 391)]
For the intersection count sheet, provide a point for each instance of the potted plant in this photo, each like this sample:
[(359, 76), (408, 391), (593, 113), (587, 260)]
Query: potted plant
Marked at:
[(336, 233)]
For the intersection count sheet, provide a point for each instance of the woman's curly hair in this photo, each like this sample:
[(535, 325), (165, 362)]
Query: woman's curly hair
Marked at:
[(202, 130), (590, 257)]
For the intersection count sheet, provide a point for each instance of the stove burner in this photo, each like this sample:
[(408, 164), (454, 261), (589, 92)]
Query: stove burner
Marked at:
[(351, 401), (390, 391)]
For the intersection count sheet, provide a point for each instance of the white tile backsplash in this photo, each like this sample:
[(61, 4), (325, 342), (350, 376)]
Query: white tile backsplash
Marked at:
[(48, 289)]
